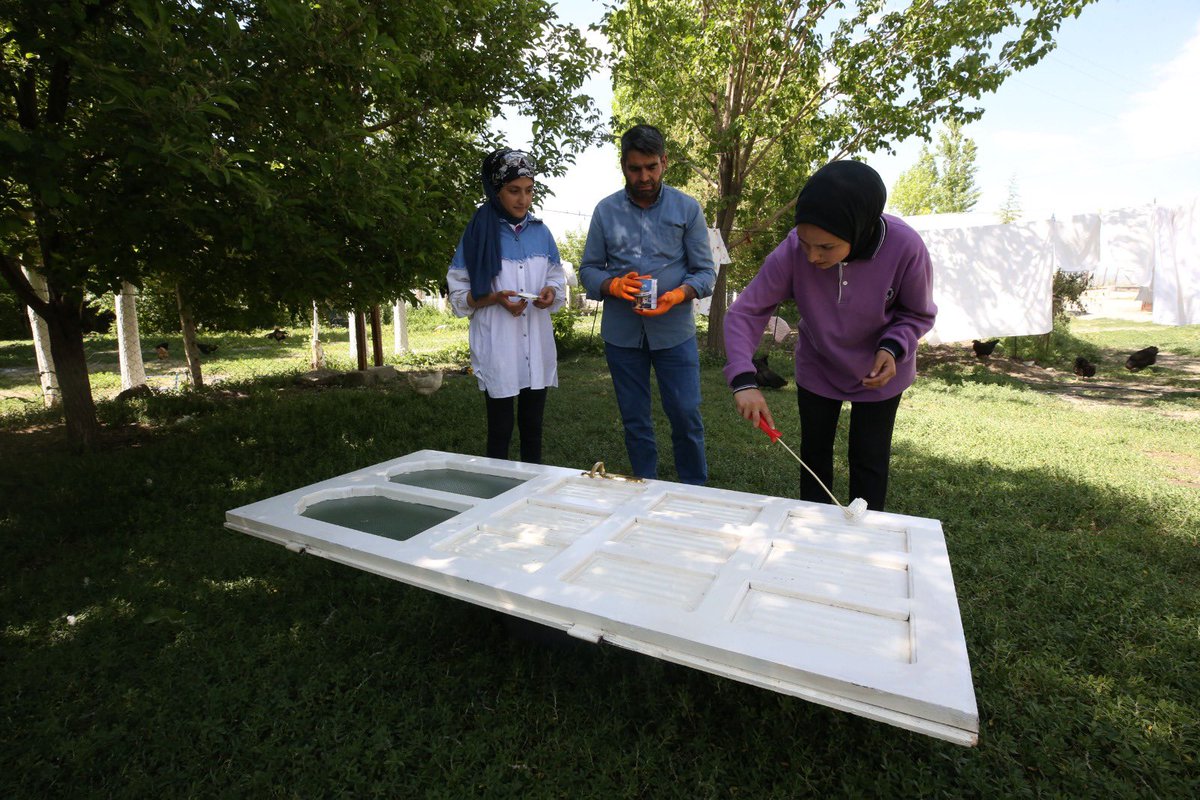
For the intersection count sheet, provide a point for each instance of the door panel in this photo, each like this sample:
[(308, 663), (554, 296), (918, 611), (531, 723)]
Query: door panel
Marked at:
[(783, 594)]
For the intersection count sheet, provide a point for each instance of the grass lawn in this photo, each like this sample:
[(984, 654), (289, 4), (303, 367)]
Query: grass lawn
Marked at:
[(147, 651)]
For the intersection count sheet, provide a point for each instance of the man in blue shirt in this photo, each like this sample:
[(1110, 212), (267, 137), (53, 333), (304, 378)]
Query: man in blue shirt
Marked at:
[(651, 230)]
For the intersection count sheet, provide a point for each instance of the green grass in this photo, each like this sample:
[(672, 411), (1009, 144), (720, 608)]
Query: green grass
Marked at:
[(147, 651)]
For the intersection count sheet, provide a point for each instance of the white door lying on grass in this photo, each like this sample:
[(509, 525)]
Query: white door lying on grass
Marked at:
[(786, 595)]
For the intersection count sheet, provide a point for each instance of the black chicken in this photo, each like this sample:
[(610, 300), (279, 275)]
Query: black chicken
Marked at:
[(984, 349), (94, 321), (1084, 368), (765, 376), (278, 335), (206, 348), (1141, 359)]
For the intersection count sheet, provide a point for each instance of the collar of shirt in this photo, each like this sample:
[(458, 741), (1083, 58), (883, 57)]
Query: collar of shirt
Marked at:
[(882, 236), (523, 224)]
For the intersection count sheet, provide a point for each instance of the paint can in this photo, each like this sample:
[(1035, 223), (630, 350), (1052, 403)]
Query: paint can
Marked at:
[(647, 298)]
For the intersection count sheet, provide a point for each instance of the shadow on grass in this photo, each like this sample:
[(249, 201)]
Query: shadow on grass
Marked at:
[(16, 354), (150, 651), (1175, 379)]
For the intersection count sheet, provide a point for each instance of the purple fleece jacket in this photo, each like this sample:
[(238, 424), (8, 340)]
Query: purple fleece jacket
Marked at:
[(846, 313)]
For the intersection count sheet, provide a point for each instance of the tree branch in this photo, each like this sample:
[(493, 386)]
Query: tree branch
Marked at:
[(704, 176), (387, 123), (11, 271), (800, 117), (762, 227)]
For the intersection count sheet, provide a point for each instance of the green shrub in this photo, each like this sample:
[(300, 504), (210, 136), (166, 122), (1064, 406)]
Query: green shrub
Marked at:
[(575, 331), (1068, 291), (454, 357), (429, 318)]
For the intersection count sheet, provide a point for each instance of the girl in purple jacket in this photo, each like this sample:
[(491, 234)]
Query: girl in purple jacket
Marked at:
[(861, 282)]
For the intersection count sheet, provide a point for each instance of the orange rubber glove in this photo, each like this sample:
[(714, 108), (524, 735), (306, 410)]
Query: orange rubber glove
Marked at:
[(627, 286), (665, 303)]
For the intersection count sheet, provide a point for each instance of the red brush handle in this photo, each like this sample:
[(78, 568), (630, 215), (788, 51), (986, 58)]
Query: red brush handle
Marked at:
[(768, 430)]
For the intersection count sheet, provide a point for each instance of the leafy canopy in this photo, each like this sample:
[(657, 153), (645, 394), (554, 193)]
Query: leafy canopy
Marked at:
[(260, 153), (754, 94), (281, 150)]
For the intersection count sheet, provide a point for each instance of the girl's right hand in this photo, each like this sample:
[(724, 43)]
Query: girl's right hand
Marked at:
[(751, 405)]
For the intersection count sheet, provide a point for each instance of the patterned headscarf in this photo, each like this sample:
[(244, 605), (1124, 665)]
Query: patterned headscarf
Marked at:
[(481, 240), (845, 198), (506, 165)]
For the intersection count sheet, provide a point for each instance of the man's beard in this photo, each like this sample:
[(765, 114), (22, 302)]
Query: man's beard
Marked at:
[(645, 193)]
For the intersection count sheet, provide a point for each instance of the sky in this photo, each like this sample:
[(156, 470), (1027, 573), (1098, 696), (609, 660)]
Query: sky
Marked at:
[(1110, 119)]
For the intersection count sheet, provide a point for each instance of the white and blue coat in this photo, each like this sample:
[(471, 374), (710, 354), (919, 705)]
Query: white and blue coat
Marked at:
[(510, 353)]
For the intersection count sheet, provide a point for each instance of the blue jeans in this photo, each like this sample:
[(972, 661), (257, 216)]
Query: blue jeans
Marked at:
[(678, 372)]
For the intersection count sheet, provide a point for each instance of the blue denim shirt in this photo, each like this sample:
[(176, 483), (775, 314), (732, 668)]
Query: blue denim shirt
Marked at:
[(667, 241)]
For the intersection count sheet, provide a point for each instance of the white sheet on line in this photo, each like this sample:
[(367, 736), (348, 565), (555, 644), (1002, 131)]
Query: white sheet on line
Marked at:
[(1126, 248), (996, 280), (1177, 265), (990, 280), (1076, 242)]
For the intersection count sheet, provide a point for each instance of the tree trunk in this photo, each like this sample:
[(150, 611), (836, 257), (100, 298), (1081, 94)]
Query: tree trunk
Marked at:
[(188, 326), (729, 190), (318, 352), (716, 314), (376, 337), (129, 344), (399, 327), (41, 342), (720, 295), (64, 329), (360, 339), (70, 361)]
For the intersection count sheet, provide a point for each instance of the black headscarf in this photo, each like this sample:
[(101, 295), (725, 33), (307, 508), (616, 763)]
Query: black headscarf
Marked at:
[(845, 198), (481, 240)]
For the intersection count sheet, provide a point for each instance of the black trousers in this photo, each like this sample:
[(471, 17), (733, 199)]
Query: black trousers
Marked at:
[(531, 404), (871, 426)]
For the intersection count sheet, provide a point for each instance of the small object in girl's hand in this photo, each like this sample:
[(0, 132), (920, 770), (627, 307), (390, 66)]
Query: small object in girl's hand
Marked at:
[(647, 298), (527, 295)]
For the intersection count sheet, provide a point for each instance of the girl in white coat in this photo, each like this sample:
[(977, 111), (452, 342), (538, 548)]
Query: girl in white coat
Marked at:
[(506, 276)]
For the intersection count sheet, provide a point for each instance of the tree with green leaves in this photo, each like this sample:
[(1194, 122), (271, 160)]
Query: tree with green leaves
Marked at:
[(941, 182), (259, 152), (753, 95), (956, 189), (570, 246), (915, 190), (1010, 211)]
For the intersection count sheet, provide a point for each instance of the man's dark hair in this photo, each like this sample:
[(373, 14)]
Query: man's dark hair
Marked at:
[(645, 139)]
